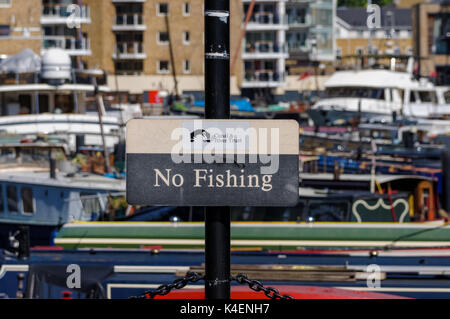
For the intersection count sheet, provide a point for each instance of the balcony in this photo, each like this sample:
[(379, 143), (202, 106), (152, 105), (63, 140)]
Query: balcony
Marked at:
[(260, 50), (129, 22), (298, 47), (52, 15), (299, 22), (263, 78), (72, 45), (262, 21), (129, 51)]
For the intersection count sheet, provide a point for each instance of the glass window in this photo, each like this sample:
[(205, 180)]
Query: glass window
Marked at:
[(11, 195), (163, 9), (163, 37), (186, 8), (91, 203), (163, 66), (27, 200), (5, 30), (186, 37), (187, 66), (426, 96)]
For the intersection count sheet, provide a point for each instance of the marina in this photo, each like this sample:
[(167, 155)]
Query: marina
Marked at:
[(296, 152)]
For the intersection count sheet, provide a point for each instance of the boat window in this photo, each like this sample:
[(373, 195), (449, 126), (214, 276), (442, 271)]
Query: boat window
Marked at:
[(44, 103), (427, 96), (412, 96), (368, 93), (447, 97), (27, 200), (11, 195), (91, 203)]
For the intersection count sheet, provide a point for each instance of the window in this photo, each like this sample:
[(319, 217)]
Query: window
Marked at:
[(359, 51), (186, 9), (427, 97), (163, 38), (5, 30), (186, 37), (129, 67), (162, 9), (163, 67), (368, 93), (11, 196), (91, 203), (27, 200), (186, 66)]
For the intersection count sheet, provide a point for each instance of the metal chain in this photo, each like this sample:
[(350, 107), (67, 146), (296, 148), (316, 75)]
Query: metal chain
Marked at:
[(193, 277), (165, 289), (256, 285)]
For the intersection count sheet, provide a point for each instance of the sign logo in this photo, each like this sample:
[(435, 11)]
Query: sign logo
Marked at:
[(206, 137)]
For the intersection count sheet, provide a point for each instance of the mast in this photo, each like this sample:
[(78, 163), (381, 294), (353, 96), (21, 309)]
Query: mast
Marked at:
[(244, 30)]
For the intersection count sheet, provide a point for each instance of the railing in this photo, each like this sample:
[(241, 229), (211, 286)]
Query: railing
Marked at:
[(63, 12), (32, 78), (129, 48), (268, 18), (129, 20), (264, 47), (66, 43), (264, 76), (298, 47), (299, 20)]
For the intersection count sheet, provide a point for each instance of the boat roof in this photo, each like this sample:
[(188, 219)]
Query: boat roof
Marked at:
[(42, 178), (52, 88), (375, 79)]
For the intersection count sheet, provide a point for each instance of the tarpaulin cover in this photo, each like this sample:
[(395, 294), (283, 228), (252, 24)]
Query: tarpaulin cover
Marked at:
[(242, 105), (25, 61)]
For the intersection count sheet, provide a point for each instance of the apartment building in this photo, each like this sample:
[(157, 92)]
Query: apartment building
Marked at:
[(431, 27), (20, 26), (392, 37), (154, 44), (310, 37), (144, 42), (283, 38), (148, 45)]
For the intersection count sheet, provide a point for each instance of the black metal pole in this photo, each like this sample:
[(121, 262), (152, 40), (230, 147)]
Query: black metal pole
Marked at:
[(217, 106), (446, 181)]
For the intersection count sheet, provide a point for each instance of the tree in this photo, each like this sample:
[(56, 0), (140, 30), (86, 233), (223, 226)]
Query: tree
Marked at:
[(362, 3)]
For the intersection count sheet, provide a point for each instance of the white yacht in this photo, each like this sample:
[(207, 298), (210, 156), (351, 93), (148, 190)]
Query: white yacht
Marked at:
[(47, 96), (378, 95)]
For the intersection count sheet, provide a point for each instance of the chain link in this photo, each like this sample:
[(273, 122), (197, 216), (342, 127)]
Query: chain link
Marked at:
[(257, 286), (163, 290), (193, 277)]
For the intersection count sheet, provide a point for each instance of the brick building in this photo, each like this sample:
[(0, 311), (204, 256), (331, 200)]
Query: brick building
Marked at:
[(431, 25)]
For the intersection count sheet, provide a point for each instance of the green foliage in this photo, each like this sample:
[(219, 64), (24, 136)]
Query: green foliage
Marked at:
[(362, 3)]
